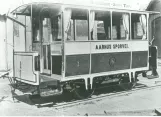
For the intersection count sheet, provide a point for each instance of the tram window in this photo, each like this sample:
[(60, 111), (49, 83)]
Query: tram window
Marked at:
[(70, 32), (100, 25), (56, 28), (81, 30), (16, 29), (35, 27), (51, 28), (46, 32), (138, 26), (120, 26), (114, 32), (76, 24)]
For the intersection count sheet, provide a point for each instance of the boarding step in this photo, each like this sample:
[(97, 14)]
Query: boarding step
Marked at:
[(49, 92), (49, 86)]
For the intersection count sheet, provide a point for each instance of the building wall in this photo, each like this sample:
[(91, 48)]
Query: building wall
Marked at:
[(9, 31), (3, 62)]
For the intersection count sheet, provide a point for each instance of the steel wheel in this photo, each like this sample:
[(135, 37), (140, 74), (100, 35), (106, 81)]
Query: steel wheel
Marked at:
[(80, 91), (125, 84)]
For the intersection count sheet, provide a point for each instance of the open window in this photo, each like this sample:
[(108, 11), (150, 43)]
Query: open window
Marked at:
[(139, 26), (100, 24), (76, 24), (35, 28), (48, 25), (56, 28), (120, 26)]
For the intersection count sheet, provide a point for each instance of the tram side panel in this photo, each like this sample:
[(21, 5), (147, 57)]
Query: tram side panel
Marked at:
[(24, 69), (19, 38), (77, 58), (24, 61), (106, 57), (110, 56)]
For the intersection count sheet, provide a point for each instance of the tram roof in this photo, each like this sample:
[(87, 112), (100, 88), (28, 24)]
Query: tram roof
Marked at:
[(37, 6)]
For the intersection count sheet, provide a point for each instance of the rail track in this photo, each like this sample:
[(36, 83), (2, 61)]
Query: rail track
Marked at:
[(97, 97)]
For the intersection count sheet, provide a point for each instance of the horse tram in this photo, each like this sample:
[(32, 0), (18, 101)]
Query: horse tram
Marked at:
[(69, 47)]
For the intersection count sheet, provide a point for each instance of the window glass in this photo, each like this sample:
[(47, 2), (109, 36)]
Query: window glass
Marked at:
[(81, 30), (49, 26), (114, 32), (76, 24), (120, 26), (56, 28), (16, 29), (100, 25), (35, 28), (70, 32), (45, 27), (138, 26)]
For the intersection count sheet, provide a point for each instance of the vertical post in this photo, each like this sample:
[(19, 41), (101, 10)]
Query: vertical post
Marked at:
[(13, 52), (74, 26), (25, 36), (88, 20), (130, 28), (111, 24), (63, 45), (130, 40), (41, 47), (147, 34), (31, 29), (89, 39)]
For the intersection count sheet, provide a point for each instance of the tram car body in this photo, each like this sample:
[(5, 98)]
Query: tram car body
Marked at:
[(61, 47)]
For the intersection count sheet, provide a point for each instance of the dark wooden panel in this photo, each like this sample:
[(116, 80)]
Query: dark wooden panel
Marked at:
[(104, 62), (37, 63), (139, 59), (77, 64), (56, 64)]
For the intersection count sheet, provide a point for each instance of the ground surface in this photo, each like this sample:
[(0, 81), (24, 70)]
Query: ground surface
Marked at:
[(141, 102)]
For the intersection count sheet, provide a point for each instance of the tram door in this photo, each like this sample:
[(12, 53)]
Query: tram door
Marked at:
[(46, 53)]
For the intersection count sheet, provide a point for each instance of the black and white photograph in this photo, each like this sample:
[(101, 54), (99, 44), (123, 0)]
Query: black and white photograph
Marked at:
[(80, 58)]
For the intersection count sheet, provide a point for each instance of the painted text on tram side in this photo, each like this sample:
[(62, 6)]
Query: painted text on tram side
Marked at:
[(113, 46)]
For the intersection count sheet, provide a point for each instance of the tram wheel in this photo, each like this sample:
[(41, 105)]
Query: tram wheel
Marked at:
[(80, 91), (125, 84)]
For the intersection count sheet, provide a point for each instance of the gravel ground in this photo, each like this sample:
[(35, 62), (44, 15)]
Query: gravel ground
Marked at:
[(137, 103)]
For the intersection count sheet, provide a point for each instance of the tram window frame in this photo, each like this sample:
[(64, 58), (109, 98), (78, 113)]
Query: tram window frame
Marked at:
[(58, 19), (98, 20), (45, 26), (74, 16), (121, 25), (139, 22), (50, 19), (21, 19), (35, 29)]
